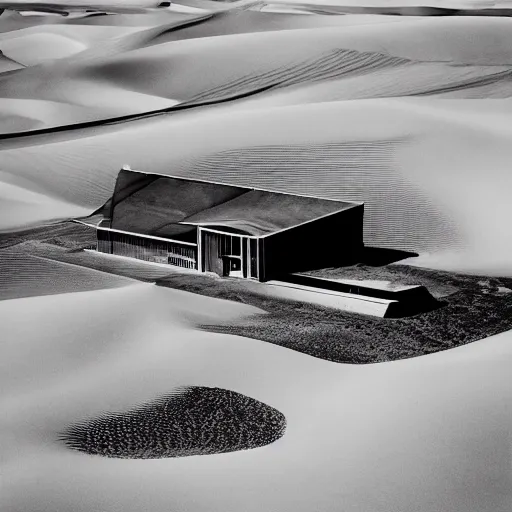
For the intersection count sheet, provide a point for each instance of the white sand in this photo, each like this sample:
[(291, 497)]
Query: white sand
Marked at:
[(431, 433), (33, 49), (423, 435), (20, 208)]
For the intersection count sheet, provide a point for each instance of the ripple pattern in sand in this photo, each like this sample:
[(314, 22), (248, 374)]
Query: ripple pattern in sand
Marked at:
[(398, 214), (24, 275), (333, 64)]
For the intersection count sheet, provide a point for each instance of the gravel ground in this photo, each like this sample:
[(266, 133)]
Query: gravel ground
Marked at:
[(191, 421)]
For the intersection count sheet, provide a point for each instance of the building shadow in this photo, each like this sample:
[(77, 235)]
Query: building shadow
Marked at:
[(365, 256), (379, 256)]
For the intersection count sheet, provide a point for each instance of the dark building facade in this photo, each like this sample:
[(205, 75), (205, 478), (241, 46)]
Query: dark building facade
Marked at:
[(228, 230)]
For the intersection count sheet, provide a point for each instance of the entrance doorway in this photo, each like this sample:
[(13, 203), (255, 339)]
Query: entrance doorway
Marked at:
[(233, 266), (229, 255)]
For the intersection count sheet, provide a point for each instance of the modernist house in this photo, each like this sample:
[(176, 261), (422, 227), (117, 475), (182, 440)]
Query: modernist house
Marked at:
[(229, 230)]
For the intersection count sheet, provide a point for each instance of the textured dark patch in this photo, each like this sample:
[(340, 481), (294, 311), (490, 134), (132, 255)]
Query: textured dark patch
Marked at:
[(191, 421), (474, 308), (64, 234)]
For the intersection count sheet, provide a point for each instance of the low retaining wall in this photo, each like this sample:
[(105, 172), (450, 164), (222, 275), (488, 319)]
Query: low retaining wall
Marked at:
[(389, 303), (332, 299)]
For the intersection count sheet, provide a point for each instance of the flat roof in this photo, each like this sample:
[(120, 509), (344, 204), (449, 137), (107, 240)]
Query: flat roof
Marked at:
[(170, 206), (377, 284)]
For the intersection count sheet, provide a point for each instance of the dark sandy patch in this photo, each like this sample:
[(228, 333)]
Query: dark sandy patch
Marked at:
[(473, 308), (191, 421), (69, 235)]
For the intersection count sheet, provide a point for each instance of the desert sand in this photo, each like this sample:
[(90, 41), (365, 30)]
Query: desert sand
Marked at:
[(409, 114), (431, 433)]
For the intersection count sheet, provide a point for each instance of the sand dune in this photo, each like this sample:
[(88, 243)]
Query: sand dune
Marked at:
[(45, 42), (394, 79), (7, 64), (419, 177), (129, 70), (258, 19), (176, 68), (314, 116), (21, 115), (15, 112), (426, 434), (395, 111), (33, 49), (30, 276), (21, 207)]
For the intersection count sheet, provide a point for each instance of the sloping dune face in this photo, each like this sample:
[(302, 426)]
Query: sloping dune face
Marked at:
[(35, 48), (7, 64), (29, 276), (393, 111)]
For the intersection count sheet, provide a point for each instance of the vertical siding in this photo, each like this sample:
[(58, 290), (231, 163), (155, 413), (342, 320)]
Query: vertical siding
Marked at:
[(147, 249)]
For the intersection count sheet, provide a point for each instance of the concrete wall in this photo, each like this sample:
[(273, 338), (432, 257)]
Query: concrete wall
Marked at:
[(337, 300), (404, 302)]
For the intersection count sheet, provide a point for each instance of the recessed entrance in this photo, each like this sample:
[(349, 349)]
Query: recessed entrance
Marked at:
[(233, 266), (229, 255)]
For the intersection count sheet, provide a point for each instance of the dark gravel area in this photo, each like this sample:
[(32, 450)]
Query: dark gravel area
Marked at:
[(191, 421), (473, 307), (63, 234), (479, 307)]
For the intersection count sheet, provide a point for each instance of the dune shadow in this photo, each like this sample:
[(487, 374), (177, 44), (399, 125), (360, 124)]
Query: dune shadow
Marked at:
[(367, 256)]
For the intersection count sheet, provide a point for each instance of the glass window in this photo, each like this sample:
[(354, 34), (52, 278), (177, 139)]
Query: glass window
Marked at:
[(235, 245)]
